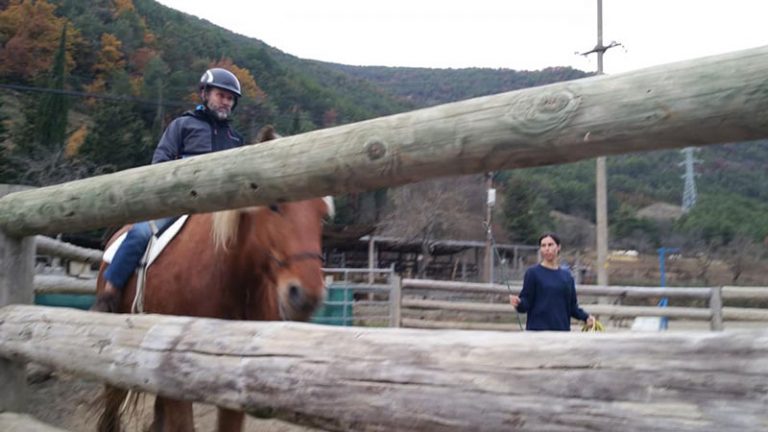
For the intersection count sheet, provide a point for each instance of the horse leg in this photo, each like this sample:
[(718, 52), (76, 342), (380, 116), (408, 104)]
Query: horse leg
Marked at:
[(230, 421), (109, 420), (172, 416)]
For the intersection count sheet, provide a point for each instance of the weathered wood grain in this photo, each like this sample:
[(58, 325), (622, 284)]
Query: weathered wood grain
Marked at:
[(365, 379), (693, 103), (12, 422), (17, 260)]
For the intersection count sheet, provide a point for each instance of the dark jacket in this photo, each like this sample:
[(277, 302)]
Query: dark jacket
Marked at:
[(194, 133), (549, 299)]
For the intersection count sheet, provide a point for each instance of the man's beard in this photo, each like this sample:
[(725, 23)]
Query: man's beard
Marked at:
[(221, 113)]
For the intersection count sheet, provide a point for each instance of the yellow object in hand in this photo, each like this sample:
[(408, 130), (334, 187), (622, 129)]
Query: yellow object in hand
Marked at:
[(598, 327)]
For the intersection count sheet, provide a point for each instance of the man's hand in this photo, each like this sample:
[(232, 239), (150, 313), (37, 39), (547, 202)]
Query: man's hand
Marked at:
[(514, 300)]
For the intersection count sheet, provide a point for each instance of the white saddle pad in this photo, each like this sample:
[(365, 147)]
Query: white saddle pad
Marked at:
[(156, 247)]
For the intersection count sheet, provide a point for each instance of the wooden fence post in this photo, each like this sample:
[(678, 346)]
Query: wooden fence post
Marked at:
[(17, 261), (716, 306), (395, 301)]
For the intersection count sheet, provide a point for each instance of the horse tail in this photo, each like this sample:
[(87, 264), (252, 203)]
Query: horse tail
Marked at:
[(111, 400), (117, 402), (224, 228)]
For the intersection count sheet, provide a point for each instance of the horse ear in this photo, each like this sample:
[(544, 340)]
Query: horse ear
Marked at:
[(267, 133)]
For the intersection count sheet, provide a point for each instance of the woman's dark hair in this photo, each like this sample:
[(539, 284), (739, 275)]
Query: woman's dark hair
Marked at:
[(550, 234)]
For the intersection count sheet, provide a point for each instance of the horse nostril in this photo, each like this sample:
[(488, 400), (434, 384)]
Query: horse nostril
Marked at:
[(294, 295)]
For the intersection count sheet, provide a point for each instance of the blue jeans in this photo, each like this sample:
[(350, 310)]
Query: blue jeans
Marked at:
[(128, 255)]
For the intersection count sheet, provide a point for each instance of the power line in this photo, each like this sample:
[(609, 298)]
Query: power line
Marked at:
[(73, 93), (118, 98)]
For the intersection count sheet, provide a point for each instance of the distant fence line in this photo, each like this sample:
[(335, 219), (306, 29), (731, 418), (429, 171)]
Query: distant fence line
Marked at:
[(716, 313)]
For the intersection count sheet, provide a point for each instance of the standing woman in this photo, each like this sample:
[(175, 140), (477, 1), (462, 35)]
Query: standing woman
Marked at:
[(549, 293)]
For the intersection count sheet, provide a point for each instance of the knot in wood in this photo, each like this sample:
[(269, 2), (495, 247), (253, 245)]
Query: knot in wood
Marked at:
[(375, 149), (534, 114)]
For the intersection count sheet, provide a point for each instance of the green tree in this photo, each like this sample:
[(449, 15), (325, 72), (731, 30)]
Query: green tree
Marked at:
[(630, 232), (718, 219), (154, 88), (38, 156), (525, 213), (54, 106), (118, 139)]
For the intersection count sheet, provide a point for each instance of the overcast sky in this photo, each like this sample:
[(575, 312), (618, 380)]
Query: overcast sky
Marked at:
[(516, 34)]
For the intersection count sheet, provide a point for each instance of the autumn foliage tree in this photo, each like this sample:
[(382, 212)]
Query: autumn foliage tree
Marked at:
[(29, 35)]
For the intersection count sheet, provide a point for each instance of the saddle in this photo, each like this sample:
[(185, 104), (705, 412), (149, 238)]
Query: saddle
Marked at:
[(157, 244)]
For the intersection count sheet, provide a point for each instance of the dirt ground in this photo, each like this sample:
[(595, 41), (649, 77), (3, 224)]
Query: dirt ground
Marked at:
[(69, 403)]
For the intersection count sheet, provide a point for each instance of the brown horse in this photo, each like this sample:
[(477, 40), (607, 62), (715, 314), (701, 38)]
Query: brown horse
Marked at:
[(259, 263)]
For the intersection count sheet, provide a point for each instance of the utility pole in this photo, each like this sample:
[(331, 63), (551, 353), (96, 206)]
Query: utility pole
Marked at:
[(601, 200), (489, 204)]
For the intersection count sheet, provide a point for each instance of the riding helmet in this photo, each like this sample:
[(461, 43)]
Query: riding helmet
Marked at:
[(221, 78)]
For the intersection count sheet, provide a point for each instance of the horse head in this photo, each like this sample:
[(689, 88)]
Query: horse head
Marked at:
[(280, 247)]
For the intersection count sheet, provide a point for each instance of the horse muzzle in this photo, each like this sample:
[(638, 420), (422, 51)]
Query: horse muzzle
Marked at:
[(297, 303)]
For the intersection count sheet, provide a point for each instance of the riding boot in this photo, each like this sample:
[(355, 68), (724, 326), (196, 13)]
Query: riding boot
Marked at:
[(107, 300)]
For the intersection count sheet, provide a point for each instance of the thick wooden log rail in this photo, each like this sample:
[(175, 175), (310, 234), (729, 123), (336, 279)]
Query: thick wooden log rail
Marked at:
[(710, 100), (355, 379)]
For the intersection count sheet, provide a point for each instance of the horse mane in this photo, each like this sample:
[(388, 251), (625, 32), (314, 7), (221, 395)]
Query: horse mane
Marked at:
[(225, 223), (224, 228), (267, 133)]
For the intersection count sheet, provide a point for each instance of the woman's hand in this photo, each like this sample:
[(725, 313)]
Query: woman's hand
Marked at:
[(514, 300), (590, 321)]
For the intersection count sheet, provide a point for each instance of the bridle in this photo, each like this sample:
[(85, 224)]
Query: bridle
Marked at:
[(301, 256)]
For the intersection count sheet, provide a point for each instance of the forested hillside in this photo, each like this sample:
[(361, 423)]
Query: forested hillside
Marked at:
[(92, 84), (731, 179), (426, 87), (88, 87)]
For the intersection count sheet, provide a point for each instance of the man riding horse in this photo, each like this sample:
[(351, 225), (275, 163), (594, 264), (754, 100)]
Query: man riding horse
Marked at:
[(204, 130)]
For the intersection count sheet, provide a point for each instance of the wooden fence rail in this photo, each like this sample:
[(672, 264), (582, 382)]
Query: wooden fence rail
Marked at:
[(716, 313), (48, 246), (693, 103), (51, 284), (728, 292), (343, 379)]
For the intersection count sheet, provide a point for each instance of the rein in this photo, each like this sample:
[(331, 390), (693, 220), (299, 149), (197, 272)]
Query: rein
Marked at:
[(302, 256)]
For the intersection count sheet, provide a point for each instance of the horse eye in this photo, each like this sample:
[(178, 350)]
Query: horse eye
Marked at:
[(274, 208)]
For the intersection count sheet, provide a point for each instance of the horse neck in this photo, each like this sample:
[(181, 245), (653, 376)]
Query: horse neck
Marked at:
[(250, 273)]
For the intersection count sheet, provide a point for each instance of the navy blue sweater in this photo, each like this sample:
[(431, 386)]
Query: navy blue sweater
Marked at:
[(549, 299)]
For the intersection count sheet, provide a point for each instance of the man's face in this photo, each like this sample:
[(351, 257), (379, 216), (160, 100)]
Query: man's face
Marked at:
[(220, 102)]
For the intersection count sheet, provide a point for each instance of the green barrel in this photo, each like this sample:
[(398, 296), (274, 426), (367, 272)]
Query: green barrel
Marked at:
[(77, 301), (337, 309)]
